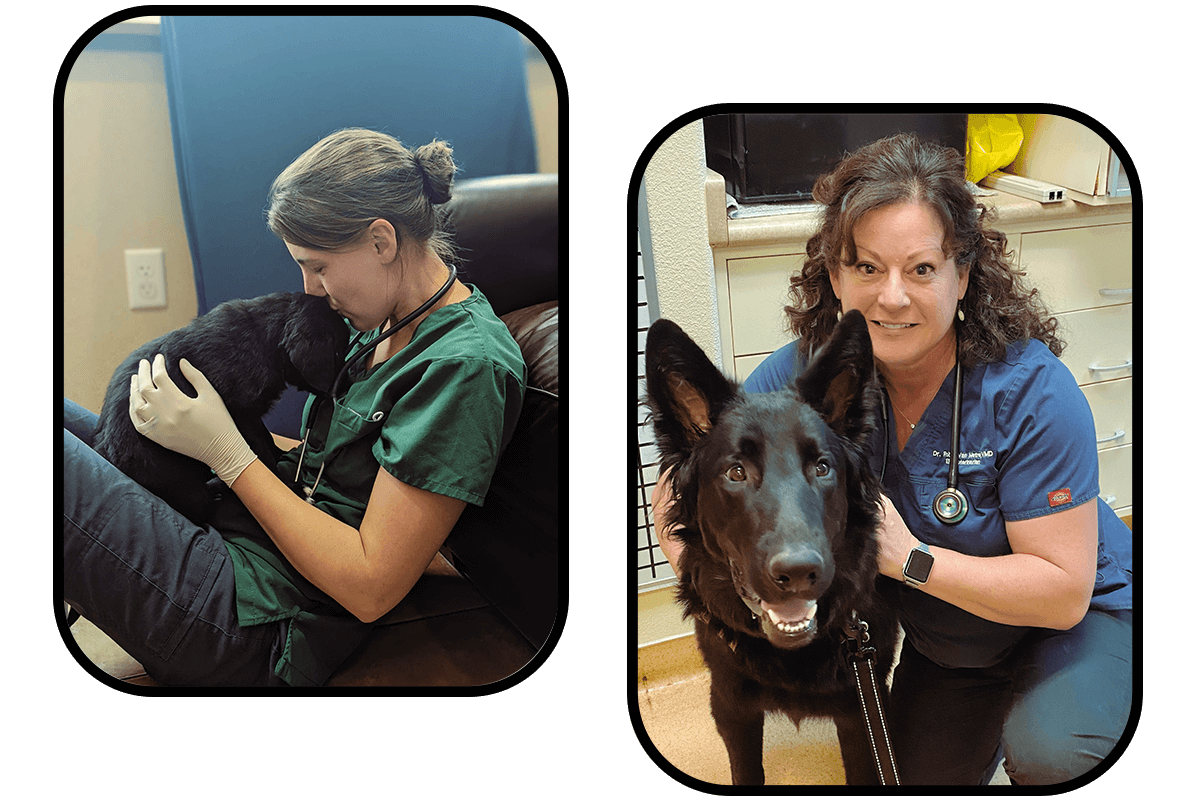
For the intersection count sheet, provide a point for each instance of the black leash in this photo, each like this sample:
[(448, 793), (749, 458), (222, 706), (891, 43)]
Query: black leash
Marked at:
[(862, 661), (855, 635)]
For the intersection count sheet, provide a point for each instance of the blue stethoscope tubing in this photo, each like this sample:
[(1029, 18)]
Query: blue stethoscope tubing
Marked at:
[(367, 348), (950, 505)]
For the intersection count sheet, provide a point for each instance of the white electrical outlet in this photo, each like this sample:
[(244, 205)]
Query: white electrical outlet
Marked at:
[(147, 277)]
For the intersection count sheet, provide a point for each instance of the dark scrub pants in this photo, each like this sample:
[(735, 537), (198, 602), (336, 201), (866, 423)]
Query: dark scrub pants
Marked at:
[(159, 585), (1053, 709)]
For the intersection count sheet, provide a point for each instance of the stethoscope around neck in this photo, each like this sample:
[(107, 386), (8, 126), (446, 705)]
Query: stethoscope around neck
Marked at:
[(950, 505), (345, 370)]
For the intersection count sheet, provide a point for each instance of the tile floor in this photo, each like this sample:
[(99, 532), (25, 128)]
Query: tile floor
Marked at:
[(673, 704)]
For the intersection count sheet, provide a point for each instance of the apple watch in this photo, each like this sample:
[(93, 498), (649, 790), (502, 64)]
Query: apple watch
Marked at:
[(918, 566)]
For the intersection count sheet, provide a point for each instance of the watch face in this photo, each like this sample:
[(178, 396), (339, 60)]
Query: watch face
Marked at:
[(918, 566)]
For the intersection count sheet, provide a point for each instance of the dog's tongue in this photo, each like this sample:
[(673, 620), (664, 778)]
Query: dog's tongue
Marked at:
[(790, 612)]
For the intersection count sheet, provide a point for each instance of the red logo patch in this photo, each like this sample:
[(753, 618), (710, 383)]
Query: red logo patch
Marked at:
[(1059, 497)]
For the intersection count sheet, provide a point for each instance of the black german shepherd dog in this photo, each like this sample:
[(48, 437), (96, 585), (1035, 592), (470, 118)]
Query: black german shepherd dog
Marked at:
[(248, 350), (778, 511)]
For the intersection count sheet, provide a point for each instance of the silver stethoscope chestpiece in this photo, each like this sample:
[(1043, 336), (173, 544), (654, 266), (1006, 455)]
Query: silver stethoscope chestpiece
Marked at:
[(950, 506)]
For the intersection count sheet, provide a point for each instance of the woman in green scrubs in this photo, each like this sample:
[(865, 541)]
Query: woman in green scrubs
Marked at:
[(332, 537)]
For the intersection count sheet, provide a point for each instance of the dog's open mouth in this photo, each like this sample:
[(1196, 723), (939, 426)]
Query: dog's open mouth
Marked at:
[(787, 624), (792, 616), (792, 623)]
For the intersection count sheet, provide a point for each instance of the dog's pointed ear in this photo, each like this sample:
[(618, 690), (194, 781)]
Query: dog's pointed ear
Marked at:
[(840, 380), (686, 393)]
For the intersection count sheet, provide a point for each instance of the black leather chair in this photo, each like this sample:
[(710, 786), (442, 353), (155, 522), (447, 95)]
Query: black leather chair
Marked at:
[(451, 631), (507, 230)]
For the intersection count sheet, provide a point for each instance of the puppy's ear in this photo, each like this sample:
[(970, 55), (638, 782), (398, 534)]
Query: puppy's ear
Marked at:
[(314, 341), (685, 392)]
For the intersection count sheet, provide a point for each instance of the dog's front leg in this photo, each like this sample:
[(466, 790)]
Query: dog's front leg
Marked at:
[(740, 723), (858, 758)]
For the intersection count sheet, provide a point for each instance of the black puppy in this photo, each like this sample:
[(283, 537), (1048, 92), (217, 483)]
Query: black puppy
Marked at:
[(248, 350), (778, 510)]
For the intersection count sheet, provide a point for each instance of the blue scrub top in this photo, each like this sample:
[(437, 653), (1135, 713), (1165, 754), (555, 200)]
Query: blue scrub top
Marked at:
[(1027, 449)]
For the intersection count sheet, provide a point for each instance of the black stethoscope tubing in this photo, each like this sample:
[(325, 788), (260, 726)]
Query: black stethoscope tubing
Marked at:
[(367, 348), (950, 505), (421, 309)]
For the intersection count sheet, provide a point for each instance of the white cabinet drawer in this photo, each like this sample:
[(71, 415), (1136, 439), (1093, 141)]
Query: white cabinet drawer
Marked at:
[(1116, 476), (744, 365), (1112, 408), (1099, 343), (758, 291), (1080, 267)]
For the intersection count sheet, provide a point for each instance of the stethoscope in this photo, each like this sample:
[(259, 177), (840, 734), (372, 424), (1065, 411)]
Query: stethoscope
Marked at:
[(950, 505), (333, 392)]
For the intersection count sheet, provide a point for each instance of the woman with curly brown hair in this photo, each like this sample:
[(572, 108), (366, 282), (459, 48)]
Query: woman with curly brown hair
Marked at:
[(996, 308), (1017, 617)]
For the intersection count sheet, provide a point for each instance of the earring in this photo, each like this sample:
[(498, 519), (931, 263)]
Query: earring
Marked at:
[(961, 316), (839, 315)]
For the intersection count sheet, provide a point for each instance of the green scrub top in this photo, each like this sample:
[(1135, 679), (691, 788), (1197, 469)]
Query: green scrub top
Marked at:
[(436, 415)]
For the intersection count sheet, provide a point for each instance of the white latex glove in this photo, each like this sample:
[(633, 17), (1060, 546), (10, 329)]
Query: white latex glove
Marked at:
[(198, 427)]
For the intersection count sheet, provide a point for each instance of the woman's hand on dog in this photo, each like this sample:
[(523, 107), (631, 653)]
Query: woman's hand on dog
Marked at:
[(199, 427), (896, 541), (661, 499)]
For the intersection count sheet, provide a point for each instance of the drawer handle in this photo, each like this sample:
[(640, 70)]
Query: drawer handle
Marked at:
[(1116, 292), (1113, 438), (1097, 368)]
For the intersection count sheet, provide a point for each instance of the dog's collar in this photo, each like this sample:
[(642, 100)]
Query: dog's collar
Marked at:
[(854, 634), (728, 635)]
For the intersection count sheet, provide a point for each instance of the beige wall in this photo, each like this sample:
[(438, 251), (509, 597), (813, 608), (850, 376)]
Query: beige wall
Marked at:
[(119, 193)]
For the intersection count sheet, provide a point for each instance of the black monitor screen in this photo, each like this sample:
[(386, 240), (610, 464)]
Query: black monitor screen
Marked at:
[(778, 157)]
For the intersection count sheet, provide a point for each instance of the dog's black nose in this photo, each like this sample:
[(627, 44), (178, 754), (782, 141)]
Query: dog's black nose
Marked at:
[(796, 570)]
